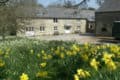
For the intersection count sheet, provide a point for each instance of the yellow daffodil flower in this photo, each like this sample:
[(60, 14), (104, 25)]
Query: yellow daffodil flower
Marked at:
[(94, 64), (2, 63), (42, 74), (76, 77), (43, 64), (24, 77)]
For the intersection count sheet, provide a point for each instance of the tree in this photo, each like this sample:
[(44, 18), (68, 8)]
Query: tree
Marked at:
[(8, 21), (3, 1), (73, 3), (11, 11)]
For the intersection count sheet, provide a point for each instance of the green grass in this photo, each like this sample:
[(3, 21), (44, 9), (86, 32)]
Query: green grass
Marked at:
[(62, 59)]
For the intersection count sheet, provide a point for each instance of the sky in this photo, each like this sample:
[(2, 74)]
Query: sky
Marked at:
[(47, 2)]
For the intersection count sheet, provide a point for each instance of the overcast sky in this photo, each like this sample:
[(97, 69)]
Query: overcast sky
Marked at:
[(47, 2)]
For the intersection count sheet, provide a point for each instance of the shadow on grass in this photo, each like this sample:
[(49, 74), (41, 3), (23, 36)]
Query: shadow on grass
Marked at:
[(11, 38), (109, 40), (88, 34)]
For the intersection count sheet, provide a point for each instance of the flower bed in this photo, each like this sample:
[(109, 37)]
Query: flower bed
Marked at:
[(57, 60)]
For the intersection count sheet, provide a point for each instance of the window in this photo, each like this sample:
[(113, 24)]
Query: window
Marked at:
[(90, 26), (78, 27), (42, 28), (29, 28), (55, 28), (67, 27), (104, 29), (55, 20)]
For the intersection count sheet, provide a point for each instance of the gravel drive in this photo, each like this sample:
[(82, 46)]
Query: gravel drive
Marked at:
[(89, 38)]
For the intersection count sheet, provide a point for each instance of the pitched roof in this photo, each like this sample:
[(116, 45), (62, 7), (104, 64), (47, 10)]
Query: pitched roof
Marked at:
[(56, 12), (110, 5)]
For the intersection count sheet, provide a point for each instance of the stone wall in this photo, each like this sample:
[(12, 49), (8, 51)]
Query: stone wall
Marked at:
[(104, 22), (49, 25)]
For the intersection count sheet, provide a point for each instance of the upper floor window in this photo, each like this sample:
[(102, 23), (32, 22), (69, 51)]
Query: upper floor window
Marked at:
[(42, 28), (29, 28), (55, 20)]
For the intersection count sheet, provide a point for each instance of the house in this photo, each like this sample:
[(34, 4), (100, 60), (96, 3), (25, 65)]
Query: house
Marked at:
[(59, 20), (106, 15)]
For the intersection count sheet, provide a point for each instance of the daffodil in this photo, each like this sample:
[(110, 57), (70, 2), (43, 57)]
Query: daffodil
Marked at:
[(62, 48), (57, 52), (49, 56), (87, 73), (74, 52), (62, 55), (115, 49), (31, 51), (38, 55), (76, 77), (106, 56), (83, 73), (24, 77), (1, 52), (108, 61), (52, 49), (42, 51), (43, 64), (75, 47), (111, 65), (98, 47), (45, 57), (42, 74), (2, 63), (86, 45), (69, 53), (85, 57), (94, 64)]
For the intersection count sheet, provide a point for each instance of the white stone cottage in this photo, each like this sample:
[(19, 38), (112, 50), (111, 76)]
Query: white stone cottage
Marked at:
[(53, 21)]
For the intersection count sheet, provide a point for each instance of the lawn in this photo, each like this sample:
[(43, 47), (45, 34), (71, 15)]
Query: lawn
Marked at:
[(26, 59)]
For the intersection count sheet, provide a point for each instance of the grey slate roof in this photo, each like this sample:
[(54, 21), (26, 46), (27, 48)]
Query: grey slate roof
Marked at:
[(88, 14), (54, 12), (110, 5)]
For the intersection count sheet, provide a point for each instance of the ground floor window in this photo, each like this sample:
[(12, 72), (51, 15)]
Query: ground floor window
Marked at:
[(67, 27), (104, 29), (29, 28), (91, 26), (55, 28), (42, 28), (78, 27)]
